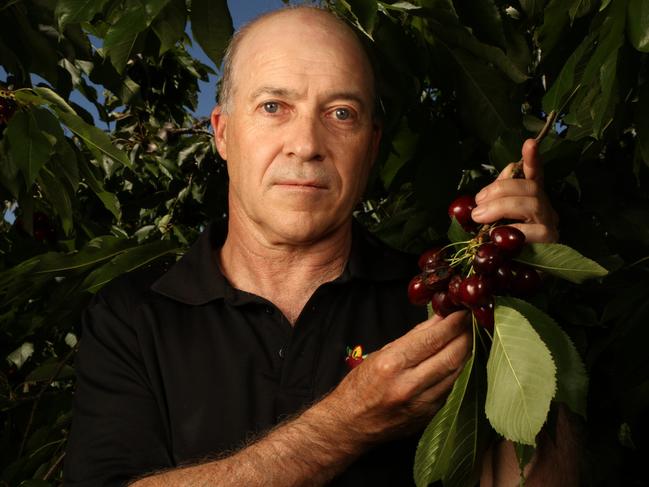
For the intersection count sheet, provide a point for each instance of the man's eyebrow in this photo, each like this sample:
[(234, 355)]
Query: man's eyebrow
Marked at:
[(294, 94), (274, 91), (347, 95)]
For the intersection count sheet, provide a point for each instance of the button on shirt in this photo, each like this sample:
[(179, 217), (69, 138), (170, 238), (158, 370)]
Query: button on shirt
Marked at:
[(178, 366)]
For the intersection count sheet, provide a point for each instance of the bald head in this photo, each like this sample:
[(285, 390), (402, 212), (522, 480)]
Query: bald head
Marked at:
[(303, 21)]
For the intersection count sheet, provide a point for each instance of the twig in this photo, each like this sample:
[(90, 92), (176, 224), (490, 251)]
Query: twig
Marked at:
[(54, 466), (40, 395)]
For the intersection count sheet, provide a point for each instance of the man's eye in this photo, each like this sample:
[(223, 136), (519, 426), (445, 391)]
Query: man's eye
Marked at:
[(342, 114), (271, 107)]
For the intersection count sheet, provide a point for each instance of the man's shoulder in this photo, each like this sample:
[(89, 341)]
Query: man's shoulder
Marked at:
[(374, 259), (133, 288)]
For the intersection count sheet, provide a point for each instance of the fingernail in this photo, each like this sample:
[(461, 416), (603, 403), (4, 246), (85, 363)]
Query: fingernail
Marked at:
[(480, 196), (478, 211)]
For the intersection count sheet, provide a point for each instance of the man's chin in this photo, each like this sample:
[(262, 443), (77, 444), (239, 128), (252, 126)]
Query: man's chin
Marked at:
[(300, 230)]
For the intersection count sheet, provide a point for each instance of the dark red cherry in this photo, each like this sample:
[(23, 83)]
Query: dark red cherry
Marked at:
[(437, 279), (484, 314), (487, 258), (475, 290), (525, 281), (431, 258), (418, 293), (461, 208), (509, 239), (442, 304), (454, 289), (502, 278)]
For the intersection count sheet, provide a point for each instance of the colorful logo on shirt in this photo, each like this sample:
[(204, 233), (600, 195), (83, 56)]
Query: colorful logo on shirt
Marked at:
[(354, 356)]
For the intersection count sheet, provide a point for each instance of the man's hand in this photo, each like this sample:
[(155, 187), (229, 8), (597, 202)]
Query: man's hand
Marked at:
[(520, 199), (397, 389)]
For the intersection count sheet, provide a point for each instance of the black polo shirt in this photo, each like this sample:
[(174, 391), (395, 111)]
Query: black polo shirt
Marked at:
[(177, 366)]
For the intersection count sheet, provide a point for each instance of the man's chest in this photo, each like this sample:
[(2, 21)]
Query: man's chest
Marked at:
[(229, 370)]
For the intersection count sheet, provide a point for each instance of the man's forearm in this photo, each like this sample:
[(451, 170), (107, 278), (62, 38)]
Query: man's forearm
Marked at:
[(308, 450)]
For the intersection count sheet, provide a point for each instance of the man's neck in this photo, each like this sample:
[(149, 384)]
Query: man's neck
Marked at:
[(285, 274)]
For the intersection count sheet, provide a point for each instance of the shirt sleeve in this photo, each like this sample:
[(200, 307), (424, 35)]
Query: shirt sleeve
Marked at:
[(117, 431)]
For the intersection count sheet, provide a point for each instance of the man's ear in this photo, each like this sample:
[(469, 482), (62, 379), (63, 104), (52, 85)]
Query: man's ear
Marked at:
[(219, 124)]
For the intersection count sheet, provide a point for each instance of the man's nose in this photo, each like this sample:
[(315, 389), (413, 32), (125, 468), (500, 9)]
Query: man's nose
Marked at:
[(304, 138)]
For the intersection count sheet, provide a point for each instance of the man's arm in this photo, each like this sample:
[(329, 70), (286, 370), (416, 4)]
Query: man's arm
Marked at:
[(555, 463), (396, 390)]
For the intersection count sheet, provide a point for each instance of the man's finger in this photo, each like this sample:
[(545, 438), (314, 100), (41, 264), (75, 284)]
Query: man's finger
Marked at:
[(531, 163), (420, 343), (448, 361)]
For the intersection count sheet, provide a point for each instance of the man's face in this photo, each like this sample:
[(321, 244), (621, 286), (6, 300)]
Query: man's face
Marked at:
[(299, 136)]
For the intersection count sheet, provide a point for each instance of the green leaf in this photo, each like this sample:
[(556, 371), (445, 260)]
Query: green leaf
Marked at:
[(483, 97), (438, 441), (484, 20), (123, 33), (638, 24), (46, 371), (110, 200), (98, 250), (53, 99), (456, 233), (58, 196), (532, 7), (404, 145), (97, 141), (29, 147), (212, 27), (400, 6), (555, 22), (572, 380), (473, 432), (365, 12), (169, 26), (125, 262), (561, 261), (121, 36), (458, 36), (642, 121), (521, 378), (76, 11), (9, 171), (579, 8)]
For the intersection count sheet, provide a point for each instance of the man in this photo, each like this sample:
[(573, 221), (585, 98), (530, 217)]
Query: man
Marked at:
[(229, 369)]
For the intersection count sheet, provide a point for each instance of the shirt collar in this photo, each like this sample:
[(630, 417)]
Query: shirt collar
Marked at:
[(196, 278)]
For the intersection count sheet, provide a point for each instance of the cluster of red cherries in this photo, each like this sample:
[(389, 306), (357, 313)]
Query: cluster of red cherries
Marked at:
[(481, 268)]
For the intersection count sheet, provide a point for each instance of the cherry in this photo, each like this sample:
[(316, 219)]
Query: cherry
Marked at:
[(442, 304), (437, 279), (475, 290), (508, 239), (418, 293), (487, 258), (454, 289), (525, 282), (461, 208), (484, 314), (431, 258), (503, 277)]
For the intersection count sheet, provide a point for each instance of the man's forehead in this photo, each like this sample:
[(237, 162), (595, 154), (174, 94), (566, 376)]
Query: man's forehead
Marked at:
[(293, 34)]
